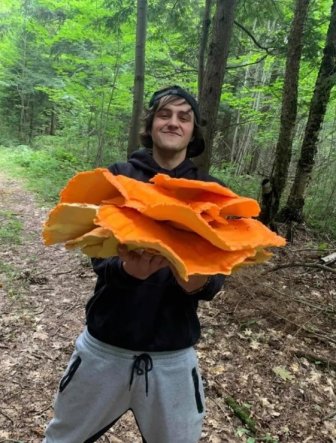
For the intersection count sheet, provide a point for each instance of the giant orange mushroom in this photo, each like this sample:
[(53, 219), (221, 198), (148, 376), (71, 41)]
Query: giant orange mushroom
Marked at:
[(200, 227)]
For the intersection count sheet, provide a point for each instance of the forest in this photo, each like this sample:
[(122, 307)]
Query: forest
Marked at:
[(75, 76)]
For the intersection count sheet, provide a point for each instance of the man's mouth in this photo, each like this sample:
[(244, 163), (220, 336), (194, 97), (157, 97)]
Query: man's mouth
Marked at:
[(171, 133)]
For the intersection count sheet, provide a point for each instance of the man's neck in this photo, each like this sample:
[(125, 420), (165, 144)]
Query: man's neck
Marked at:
[(168, 162)]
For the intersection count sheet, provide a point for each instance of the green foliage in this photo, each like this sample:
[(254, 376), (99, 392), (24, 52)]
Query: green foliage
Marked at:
[(67, 69), (10, 228), (46, 171), (50, 163), (14, 286), (320, 202), (245, 185)]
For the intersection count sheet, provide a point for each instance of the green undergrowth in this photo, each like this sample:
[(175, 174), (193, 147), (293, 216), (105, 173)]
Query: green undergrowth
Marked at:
[(10, 280), (44, 171), (245, 185), (10, 228), (47, 166)]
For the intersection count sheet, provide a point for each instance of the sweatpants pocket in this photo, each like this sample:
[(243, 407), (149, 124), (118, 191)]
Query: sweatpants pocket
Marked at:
[(198, 397), (70, 373)]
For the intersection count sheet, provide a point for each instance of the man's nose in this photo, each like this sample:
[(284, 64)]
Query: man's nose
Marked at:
[(173, 121)]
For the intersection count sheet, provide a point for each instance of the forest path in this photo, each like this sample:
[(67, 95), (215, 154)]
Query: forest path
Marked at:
[(251, 331)]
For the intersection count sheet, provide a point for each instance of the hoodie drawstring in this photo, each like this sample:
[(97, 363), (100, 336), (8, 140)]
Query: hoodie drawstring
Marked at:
[(147, 361)]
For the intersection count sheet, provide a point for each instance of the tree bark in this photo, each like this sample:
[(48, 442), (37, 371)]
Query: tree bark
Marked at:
[(214, 74), (283, 151), (139, 77), (203, 45), (326, 79)]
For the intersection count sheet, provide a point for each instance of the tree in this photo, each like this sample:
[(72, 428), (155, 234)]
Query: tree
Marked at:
[(203, 44), (214, 74), (139, 76), (283, 153), (325, 81)]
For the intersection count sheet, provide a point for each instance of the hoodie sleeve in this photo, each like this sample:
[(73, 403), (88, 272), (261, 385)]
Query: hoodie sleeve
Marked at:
[(211, 288)]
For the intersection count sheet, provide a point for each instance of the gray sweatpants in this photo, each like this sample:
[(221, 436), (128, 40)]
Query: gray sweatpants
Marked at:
[(163, 389)]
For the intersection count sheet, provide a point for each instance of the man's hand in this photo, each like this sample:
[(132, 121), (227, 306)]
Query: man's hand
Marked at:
[(140, 263), (194, 284)]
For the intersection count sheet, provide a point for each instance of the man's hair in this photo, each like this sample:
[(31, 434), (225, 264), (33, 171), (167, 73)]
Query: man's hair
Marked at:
[(162, 98)]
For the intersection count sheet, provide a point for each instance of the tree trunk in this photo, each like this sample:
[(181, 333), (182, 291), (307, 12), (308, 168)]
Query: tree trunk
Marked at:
[(139, 77), (102, 116), (326, 79), (214, 74), (283, 151), (203, 45), (52, 124)]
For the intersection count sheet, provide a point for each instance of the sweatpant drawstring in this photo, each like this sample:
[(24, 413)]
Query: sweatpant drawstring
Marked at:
[(148, 366)]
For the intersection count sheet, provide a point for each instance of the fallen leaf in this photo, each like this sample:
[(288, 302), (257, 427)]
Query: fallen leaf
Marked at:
[(282, 372)]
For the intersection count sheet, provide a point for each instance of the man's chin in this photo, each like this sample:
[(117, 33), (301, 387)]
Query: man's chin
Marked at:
[(167, 148)]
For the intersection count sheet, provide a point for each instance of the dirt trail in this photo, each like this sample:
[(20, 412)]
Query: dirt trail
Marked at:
[(251, 332)]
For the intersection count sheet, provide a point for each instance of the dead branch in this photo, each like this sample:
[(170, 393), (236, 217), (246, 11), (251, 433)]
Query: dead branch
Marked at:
[(317, 249), (329, 259), (319, 334), (325, 309), (241, 413), (215, 401), (304, 265), (316, 359), (6, 416), (330, 416), (268, 50), (324, 338)]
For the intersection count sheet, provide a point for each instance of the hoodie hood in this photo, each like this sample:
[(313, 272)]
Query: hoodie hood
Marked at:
[(143, 159)]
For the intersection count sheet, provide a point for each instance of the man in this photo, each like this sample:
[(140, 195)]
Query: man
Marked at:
[(137, 350)]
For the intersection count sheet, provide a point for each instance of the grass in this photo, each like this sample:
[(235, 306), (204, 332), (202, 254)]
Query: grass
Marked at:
[(9, 279), (10, 228), (45, 172)]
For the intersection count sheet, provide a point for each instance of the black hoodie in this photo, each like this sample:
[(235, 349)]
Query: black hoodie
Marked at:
[(155, 314)]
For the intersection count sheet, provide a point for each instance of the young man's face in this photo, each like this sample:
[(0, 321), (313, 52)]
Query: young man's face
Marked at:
[(172, 127)]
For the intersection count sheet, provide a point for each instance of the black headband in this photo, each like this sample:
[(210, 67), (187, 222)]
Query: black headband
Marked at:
[(177, 90)]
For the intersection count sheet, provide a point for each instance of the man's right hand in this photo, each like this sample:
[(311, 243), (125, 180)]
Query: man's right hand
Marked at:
[(140, 263)]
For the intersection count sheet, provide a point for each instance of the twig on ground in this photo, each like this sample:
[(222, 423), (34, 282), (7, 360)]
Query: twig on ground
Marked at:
[(316, 359), (325, 309), (6, 416), (65, 272), (329, 416), (218, 405), (304, 265), (319, 334), (331, 250), (38, 414)]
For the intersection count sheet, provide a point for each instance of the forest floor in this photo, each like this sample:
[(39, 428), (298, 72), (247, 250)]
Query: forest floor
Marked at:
[(269, 337)]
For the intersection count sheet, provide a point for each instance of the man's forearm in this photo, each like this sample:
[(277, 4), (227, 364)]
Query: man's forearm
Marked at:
[(194, 284)]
